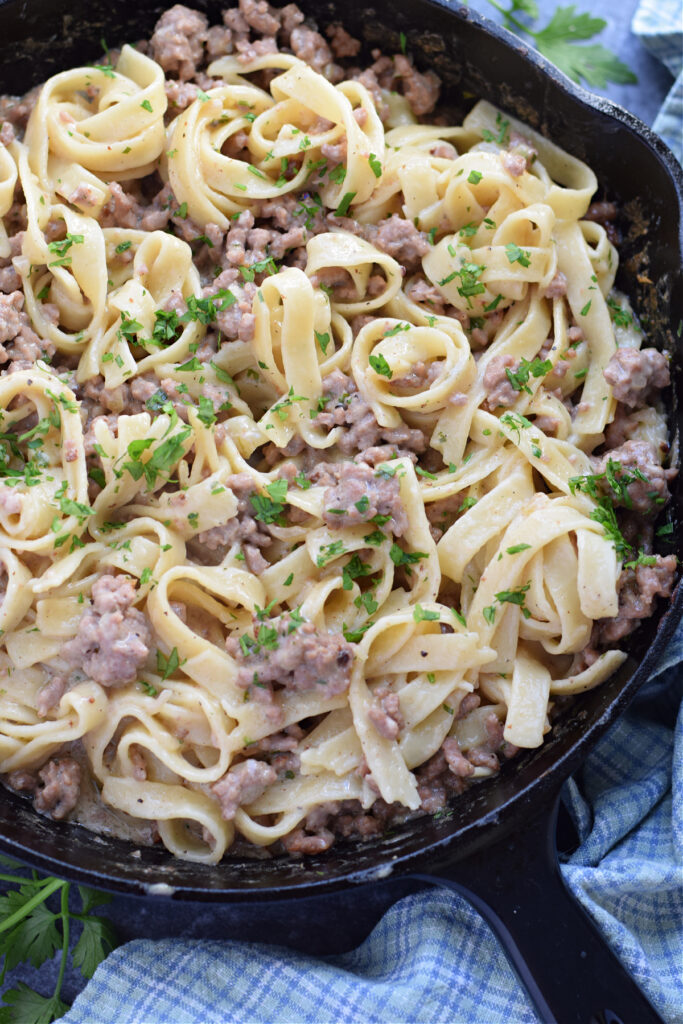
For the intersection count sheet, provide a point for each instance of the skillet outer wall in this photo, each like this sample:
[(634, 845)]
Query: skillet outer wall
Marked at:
[(472, 56)]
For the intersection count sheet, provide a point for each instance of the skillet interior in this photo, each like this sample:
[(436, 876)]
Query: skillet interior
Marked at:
[(474, 59)]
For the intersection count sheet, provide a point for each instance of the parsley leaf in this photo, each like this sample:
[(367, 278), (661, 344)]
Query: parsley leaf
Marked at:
[(323, 340), (557, 41), (353, 569), (517, 255), (269, 508), (31, 930), (30, 1007), (343, 207), (519, 377), (63, 246), (375, 165), (167, 666), (380, 366), (642, 559), (95, 941), (421, 614), (620, 316), (400, 557)]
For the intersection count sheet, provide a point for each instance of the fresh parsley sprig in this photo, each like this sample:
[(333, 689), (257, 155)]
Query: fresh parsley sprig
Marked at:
[(595, 64), (31, 931)]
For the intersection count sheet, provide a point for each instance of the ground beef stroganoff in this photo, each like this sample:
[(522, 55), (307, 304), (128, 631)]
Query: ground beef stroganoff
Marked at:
[(330, 455)]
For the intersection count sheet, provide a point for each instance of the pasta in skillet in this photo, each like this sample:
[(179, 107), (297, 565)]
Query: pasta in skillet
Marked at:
[(330, 455)]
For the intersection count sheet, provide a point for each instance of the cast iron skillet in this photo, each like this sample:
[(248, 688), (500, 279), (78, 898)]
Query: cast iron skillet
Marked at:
[(497, 844)]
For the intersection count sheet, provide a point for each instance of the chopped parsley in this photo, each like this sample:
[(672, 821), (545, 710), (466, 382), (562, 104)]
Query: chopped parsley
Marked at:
[(517, 255), (269, 508), (375, 165), (400, 557), (323, 340), (620, 316), (380, 366), (515, 596), (354, 569), (642, 559), (166, 666), (519, 377), (421, 614), (343, 207), (470, 284), (60, 248)]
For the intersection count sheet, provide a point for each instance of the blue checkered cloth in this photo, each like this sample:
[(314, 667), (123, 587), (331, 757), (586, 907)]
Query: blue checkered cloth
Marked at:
[(659, 24), (431, 958)]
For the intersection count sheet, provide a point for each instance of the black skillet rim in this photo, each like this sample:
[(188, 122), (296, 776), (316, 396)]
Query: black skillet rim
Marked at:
[(510, 812)]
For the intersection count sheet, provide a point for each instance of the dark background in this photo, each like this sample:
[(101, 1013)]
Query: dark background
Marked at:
[(303, 924)]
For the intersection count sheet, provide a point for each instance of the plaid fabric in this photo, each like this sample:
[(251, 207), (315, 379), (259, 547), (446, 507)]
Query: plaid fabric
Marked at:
[(431, 958), (659, 24)]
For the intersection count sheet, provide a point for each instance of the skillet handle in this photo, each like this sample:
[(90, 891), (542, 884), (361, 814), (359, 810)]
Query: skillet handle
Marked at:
[(568, 970)]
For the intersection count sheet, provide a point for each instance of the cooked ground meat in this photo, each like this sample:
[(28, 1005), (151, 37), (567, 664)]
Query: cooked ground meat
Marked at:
[(638, 589), (441, 514), (50, 695), (58, 787), (360, 429), (299, 841), (436, 783), (343, 45), (22, 781), (499, 390), (446, 772), (237, 321), (340, 819), (637, 464), (635, 374), (601, 212), (557, 287), (401, 239), (309, 46), (10, 315), (294, 655), (242, 785), (355, 494), (177, 41), (211, 546), (421, 90), (420, 375), (113, 638), (24, 347), (455, 759), (604, 213), (385, 713)]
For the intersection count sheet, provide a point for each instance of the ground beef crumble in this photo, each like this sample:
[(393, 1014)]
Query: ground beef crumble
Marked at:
[(635, 374), (638, 587), (355, 494), (113, 638), (637, 465), (55, 788), (293, 655)]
